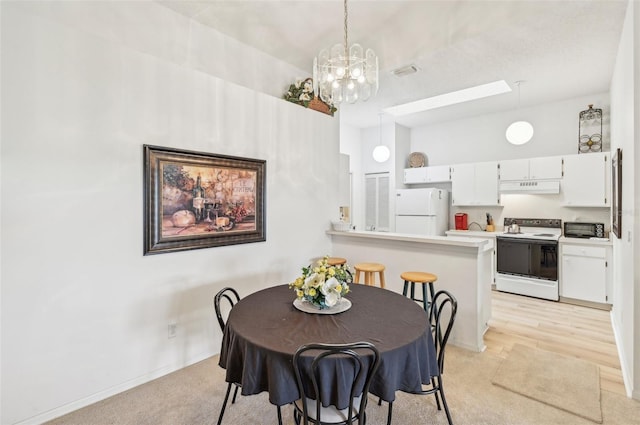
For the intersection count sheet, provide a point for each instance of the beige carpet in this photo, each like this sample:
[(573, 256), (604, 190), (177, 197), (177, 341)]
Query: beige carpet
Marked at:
[(567, 383), (192, 396)]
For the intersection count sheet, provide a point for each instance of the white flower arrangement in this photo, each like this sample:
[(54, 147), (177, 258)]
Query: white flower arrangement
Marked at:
[(301, 92), (322, 285)]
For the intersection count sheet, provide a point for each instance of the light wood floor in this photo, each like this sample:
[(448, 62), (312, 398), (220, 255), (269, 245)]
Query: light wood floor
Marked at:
[(566, 329)]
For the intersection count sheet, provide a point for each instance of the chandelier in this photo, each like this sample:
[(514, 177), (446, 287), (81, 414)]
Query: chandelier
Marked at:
[(345, 73)]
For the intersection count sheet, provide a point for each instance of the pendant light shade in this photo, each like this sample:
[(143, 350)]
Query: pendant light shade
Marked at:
[(345, 73), (381, 153), (519, 132)]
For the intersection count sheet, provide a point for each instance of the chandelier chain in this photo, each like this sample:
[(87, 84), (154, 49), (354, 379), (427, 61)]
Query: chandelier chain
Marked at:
[(346, 37)]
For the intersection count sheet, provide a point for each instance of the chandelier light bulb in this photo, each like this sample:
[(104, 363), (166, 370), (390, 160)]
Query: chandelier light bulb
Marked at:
[(350, 85), (340, 72)]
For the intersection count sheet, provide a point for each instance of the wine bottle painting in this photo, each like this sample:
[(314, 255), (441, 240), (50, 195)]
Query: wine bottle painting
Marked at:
[(198, 199)]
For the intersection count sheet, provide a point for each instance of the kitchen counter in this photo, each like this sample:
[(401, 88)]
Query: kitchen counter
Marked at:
[(473, 233), (586, 241), (463, 266)]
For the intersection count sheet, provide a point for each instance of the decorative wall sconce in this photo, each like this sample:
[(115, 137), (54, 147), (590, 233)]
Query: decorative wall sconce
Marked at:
[(590, 130)]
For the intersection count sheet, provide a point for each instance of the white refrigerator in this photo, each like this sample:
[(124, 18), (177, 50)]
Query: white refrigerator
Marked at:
[(422, 211)]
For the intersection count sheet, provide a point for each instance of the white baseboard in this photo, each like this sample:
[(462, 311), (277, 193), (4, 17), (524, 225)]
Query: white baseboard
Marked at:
[(626, 377), (84, 402)]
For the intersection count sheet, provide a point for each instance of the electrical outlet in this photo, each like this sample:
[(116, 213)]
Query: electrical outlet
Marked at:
[(173, 329)]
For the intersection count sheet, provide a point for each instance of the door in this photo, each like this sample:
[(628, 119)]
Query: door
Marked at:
[(416, 225), (513, 256), (377, 216), (415, 201)]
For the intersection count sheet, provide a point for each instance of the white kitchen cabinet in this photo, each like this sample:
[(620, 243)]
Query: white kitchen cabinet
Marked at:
[(586, 180), (432, 174), (543, 168), (584, 272), (475, 184)]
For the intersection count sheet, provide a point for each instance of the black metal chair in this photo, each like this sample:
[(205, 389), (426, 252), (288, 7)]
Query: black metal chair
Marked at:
[(225, 300), (442, 315), (358, 363)]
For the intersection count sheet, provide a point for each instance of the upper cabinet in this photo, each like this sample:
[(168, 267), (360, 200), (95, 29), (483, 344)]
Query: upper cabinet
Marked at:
[(586, 180), (546, 168), (433, 174), (475, 184)]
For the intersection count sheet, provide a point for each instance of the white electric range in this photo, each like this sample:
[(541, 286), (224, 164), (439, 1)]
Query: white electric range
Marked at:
[(527, 261)]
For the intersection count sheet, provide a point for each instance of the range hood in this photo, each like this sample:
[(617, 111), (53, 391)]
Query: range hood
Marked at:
[(530, 186)]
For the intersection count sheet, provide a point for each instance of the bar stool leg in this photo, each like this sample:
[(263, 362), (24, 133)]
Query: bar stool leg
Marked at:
[(425, 302), (381, 279), (357, 279), (406, 287)]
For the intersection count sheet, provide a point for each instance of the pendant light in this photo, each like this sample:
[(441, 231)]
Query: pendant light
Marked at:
[(381, 152), (345, 73), (519, 132)]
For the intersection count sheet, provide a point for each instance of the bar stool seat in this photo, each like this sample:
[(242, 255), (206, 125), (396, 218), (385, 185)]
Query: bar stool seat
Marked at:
[(369, 269), (424, 278), (336, 261)]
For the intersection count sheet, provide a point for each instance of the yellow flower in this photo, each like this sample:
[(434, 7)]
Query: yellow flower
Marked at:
[(338, 288), (299, 282), (299, 293), (332, 271), (316, 269), (312, 292)]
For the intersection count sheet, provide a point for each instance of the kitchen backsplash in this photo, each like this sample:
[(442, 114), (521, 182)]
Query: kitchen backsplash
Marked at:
[(529, 206)]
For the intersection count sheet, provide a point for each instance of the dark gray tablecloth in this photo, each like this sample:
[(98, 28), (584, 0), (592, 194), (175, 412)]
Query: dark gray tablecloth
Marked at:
[(264, 330)]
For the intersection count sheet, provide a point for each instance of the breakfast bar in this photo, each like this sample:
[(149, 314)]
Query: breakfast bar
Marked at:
[(463, 267)]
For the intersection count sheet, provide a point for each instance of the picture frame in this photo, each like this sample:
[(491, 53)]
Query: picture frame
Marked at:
[(616, 193), (195, 200)]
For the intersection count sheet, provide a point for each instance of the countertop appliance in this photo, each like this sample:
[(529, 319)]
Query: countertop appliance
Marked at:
[(574, 229), (422, 211), (527, 259), (462, 221)]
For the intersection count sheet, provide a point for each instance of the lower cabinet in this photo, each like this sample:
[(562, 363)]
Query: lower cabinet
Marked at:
[(584, 272)]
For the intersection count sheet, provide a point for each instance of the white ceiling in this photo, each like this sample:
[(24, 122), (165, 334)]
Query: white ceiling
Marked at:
[(560, 49)]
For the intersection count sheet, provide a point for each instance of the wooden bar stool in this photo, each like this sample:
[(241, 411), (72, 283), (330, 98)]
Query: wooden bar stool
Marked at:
[(369, 269), (411, 278), (336, 261)]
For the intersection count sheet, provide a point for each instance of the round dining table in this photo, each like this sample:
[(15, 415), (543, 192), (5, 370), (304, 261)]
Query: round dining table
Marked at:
[(265, 329)]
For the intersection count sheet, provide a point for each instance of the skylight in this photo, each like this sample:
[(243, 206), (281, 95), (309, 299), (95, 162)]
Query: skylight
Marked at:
[(452, 98)]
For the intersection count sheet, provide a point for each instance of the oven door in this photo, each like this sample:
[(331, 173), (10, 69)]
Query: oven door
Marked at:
[(527, 257)]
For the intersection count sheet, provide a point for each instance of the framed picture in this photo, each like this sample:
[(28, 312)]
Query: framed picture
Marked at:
[(196, 200), (616, 193)]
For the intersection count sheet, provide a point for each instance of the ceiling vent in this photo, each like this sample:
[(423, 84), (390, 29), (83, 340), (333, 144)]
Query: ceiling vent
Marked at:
[(405, 70)]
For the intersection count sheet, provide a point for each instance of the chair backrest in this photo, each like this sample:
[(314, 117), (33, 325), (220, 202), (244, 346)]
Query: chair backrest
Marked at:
[(358, 362), (442, 315), (228, 297)]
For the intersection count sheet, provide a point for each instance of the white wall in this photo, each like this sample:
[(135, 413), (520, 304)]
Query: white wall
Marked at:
[(84, 86), (622, 132), (632, 179), (482, 138)]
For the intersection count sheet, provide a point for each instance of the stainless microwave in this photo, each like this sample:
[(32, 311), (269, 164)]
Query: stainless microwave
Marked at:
[(574, 229)]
